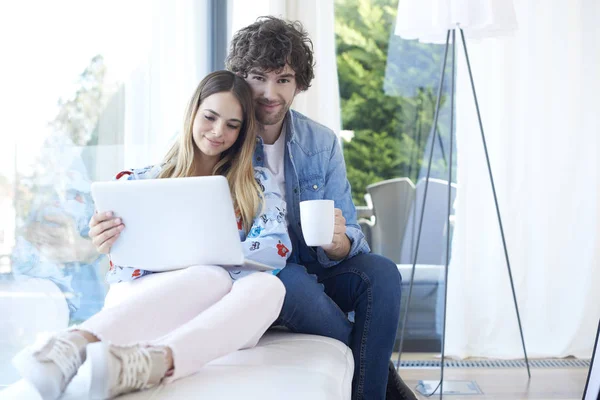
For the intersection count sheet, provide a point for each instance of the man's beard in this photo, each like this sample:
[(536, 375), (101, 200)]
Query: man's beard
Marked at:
[(265, 118)]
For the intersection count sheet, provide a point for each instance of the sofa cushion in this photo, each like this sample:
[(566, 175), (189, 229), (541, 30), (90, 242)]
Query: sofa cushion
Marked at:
[(282, 365)]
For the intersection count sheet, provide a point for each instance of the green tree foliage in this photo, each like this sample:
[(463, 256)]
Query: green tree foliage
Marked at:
[(391, 124)]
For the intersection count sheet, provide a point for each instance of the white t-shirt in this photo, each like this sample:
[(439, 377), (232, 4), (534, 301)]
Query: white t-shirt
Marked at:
[(273, 154)]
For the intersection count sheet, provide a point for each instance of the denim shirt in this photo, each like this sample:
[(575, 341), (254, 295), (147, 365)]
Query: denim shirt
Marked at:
[(314, 169)]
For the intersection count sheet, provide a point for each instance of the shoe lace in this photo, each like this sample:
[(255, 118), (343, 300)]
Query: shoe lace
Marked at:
[(64, 354), (135, 368)]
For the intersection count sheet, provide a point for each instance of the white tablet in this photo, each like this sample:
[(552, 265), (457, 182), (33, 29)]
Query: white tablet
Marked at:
[(173, 223)]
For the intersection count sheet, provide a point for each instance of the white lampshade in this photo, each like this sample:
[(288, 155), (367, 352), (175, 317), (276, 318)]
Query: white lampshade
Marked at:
[(429, 20)]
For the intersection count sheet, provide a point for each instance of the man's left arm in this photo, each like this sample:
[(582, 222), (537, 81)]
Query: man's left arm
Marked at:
[(348, 240)]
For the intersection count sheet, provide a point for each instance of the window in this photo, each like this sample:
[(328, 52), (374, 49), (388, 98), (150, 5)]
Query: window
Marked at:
[(89, 89), (388, 89)]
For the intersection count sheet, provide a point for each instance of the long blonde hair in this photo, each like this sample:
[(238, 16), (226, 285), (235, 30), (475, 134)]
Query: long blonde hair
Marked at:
[(236, 162)]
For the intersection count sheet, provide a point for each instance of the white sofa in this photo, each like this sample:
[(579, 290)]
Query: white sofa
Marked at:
[(282, 365)]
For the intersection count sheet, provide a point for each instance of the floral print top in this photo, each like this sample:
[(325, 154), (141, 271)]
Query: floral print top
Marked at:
[(267, 241)]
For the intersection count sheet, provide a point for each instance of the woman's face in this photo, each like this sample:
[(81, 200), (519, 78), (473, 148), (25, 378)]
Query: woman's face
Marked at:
[(217, 124)]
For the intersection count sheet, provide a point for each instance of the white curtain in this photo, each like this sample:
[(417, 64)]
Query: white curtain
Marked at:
[(538, 97), (429, 20), (321, 101), (158, 91)]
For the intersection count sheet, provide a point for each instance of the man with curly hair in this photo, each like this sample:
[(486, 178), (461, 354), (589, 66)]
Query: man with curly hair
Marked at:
[(325, 283)]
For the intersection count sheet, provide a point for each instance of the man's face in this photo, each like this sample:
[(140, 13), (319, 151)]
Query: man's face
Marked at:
[(273, 93)]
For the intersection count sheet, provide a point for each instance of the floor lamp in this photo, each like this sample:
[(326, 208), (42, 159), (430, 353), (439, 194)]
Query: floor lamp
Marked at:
[(452, 11)]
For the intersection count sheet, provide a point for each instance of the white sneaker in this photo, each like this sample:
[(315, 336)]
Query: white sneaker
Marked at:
[(51, 363), (122, 369)]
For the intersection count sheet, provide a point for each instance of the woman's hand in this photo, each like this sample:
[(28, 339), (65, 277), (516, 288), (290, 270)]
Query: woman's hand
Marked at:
[(105, 230)]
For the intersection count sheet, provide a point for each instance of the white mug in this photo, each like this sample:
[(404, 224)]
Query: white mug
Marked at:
[(317, 218)]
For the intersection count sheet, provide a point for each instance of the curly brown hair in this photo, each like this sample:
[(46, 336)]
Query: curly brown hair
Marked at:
[(269, 44)]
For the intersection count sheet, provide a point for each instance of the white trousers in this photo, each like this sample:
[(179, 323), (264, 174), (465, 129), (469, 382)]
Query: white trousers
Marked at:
[(198, 312)]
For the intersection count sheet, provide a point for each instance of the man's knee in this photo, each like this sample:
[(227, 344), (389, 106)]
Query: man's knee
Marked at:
[(382, 273), (381, 268), (387, 269)]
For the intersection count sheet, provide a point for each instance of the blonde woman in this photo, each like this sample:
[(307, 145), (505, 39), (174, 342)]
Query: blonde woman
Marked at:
[(158, 327)]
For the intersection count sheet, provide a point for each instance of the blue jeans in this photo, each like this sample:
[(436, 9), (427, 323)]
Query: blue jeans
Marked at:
[(319, 299)]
